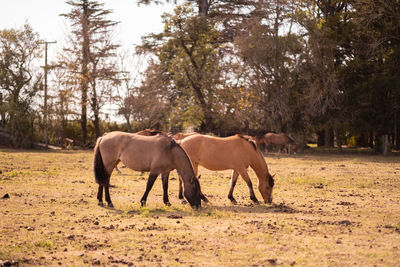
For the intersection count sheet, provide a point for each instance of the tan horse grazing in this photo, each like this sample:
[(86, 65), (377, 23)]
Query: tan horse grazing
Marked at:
[(235, 152), (180, 136), (155, 154), (282, 140)]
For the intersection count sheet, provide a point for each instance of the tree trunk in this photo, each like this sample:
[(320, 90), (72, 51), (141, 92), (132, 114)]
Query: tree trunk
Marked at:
[(84, 74), (371, 140), (396, 142), (128, 126), (329, 137), (385, 148), (321, 138), (338, 140)]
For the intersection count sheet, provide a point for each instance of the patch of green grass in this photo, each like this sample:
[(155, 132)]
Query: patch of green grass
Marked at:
[(13, 173), (47, 244)]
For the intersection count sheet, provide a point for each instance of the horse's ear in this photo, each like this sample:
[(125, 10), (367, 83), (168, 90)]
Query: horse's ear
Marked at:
[(273, 175)]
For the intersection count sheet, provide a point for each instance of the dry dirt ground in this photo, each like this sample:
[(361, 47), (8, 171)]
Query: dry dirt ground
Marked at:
[(328, 210)]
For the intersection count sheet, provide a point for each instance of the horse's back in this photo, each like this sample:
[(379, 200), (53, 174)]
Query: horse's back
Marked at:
[(216, 153), (137, 152), (180, 136)]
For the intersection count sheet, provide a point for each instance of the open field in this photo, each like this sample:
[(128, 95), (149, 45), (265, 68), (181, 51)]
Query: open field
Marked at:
[(328, 210)]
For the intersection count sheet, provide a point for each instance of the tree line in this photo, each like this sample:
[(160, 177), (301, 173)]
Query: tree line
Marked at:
[(322, 70)]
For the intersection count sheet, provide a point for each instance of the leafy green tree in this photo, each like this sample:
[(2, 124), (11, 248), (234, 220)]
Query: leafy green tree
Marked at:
[(19, 84), (187, 51), (372, 76), (91, 50)]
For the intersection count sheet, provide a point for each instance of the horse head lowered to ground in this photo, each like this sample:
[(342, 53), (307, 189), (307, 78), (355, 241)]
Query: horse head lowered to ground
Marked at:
[(155, 154)]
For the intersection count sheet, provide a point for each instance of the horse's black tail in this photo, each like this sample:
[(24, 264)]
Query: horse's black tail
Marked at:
[(100, 173)]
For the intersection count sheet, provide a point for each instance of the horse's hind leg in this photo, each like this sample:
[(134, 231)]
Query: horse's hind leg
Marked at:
[(246, 178), (100, 195), (180, 188), (108, 199), (164, 178), (233, 183), (150, 181)]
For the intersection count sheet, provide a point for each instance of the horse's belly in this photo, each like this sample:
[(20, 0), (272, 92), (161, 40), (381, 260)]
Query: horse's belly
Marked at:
[(136, 164), (215, 165)]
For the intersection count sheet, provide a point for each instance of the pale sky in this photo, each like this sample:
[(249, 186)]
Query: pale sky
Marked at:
[(43, 16)]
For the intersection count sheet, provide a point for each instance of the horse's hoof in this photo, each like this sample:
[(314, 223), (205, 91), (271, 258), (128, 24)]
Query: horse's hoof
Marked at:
[(101, 204), (167, 204), (205, 200), (233, 201), (255, 200), (180, 197), (143, 203), (196, 207), (184, 201), (110, 205)]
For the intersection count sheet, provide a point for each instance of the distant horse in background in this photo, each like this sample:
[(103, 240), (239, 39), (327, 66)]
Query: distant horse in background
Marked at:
[(282, 140), (235, 152), (260, 141), (180, 136), (155, 154)]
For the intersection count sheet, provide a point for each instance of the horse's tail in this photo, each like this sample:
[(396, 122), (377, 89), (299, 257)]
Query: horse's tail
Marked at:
[(100, 173)]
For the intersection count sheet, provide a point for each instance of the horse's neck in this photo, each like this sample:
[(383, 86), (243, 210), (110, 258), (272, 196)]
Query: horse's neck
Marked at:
[(182, 162), (259, 165)]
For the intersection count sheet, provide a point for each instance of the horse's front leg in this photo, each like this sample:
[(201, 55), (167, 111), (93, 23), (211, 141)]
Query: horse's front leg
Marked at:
[(108, 199), (196, 171), (150, 181), (246, 178), (164, 178), (233, 183), (100, 195), (180, 188)]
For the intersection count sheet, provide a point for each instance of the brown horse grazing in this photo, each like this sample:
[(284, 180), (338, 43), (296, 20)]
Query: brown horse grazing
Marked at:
[(180, 136), (156, 154), (282, 140), (235, 152)]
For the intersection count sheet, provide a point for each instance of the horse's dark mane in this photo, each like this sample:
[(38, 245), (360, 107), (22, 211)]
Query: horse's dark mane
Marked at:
[(151, 132), (174, 143), (271, 181), (248, 139)]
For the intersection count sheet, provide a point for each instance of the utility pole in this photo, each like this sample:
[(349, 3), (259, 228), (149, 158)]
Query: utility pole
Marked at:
[(46, 67)]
